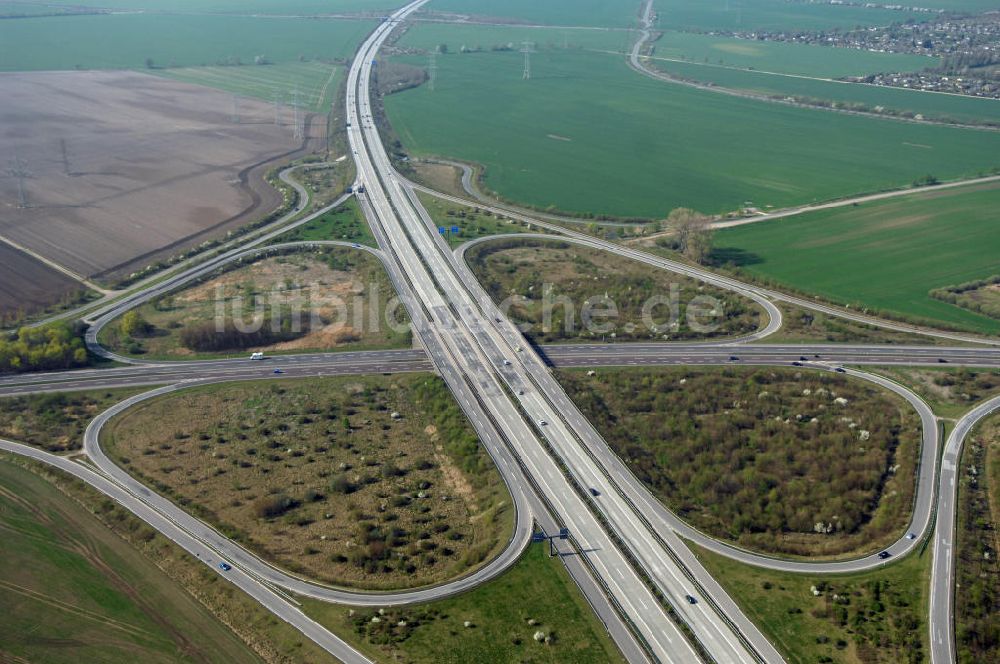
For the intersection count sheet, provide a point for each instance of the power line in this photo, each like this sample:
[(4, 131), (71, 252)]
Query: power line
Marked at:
[(19, 169), (296, 124), (276, 98), (432, 70), (527, 48), (236, 110), (65, 156)]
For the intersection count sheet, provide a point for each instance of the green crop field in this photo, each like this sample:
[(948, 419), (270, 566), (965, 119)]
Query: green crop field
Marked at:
[(785, 57), (886, 254), (930, 104), (587, 134), (73, 591), (776, 15), (316, 82), (283, 7), (613, 13), (430, 35), (123, 41)]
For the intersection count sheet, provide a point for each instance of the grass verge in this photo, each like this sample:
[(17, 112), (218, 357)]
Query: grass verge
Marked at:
[(534, 597), (344, 223), (462, 223), (875, 617), (56, 421)]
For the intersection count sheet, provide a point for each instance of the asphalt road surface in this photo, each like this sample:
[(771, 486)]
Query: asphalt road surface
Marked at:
[(942, 598), (627, 555)]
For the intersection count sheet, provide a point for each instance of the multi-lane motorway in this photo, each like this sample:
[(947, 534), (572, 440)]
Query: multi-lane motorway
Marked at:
[(631, 562)]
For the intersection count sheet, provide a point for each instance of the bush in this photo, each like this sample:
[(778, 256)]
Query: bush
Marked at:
[(269, 507), (134, 325), (46, 347), (342, 485)]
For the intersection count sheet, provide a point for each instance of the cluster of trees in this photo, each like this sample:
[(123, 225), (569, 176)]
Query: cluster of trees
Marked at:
[(208, 337), (44, 348), (962, 296), (693, 233), (739, 455), (274, 505), (961, 63), (134, 325)]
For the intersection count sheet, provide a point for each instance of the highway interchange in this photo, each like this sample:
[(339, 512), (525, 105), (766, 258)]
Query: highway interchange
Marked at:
[(632, 564)]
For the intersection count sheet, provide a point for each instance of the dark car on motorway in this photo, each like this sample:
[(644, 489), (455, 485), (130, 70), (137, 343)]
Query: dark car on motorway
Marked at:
[(883, 555), (690, 599), (225, 567)]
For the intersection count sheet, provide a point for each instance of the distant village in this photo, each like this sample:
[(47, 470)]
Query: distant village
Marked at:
[(963, 52)]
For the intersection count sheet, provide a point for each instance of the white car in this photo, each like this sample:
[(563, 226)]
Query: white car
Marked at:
[(542, 423), (256, 356)]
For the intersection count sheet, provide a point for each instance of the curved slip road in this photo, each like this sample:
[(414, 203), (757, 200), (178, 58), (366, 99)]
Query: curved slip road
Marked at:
[(942, 600), (252, 564)]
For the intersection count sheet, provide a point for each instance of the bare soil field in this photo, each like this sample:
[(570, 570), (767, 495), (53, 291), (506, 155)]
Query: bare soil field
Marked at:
[(124, 166), (28, 285)]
